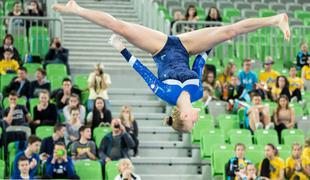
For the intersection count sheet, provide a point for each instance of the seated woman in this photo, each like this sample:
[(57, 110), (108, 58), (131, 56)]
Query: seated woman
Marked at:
[(281, 88), (272, 167), (296, 84), (131, 126), (176, 84), (8, 43), (73, 126), (100, 114), (34, 9), (125, 169), (44, 113), (283, 116), (74, 102), (305, 74)]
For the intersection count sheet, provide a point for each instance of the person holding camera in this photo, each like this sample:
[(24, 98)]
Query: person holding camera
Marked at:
[(98, 84), (125, 169), (60, 165), (57, 54)]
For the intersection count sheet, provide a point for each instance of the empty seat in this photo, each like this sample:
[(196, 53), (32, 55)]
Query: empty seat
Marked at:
[(99, 133), (270, 1), (266, 12), (2, 169), (255, 153), (284, 151), (303, 1), (242, 5), (207, 5), (209, 138), (111, 170), (32, 103), (32, 68), (220, 156), (80, 80), (88, 169), (301, 15), (230, 12), (291, 136), (252, 1), (5, 80), (201, 126), (258, 6), (223, 4), (227, 122), (240, 136), (56, 69), (263, 137), (44, 131)]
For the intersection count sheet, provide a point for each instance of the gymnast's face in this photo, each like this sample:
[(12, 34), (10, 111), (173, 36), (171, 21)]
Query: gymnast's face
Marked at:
[(189, 118)]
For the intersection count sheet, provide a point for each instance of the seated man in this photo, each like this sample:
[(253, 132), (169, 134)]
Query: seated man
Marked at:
[(48, 143), (8, 65), (30, 153), (84, 148), (41, 83), (20, 84), (257, 115), (247, 77), (24, 168), (60, 165)]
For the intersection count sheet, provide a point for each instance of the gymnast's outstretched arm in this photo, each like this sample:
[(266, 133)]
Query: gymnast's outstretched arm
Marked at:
[(200, 62)]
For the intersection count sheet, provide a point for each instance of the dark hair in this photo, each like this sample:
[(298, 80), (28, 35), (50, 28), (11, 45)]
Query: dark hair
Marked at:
[(8, 50), (276, 151), (58, 127), (246, 60), (219, 17), (16, 2), (278, 102), (240, 144), (60, 143), (169, 121), (66, 80), (22, 158), (13, 93), (187, 11), (44, 91), (37, 3), (74, 109), (286, 81), (8, 36), (42, 71), (83, 128), (94, 105), (22, 69), (33, 138), (254, 94)]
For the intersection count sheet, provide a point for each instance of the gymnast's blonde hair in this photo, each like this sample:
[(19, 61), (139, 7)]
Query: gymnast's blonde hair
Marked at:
[(175, 120)]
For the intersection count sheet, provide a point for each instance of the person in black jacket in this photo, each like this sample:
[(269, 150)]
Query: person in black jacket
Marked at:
[(20, 84), (100, 114), (8, 42), (41, 83)]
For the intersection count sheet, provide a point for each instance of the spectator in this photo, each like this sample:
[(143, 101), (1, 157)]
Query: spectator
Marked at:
[(258, 116), (20, 84), (24, 168), (39, 84), (98, 83), (191, 16), (8, 43), (234, 91), (296, 84), (284, 116), (74, 102), (177, 16), (73, 126), (281, 88), (44, 113), (84, 148), (302, 56), (125, 169), (306, 151), (214, 15), (305, 72), (48, 143), (115, 145), (17, 11), (251, 173), (212, 86), (225, 79), (236, 165), (272, 167), (131, 126), (30, 153), (15, 115), (248, 78), (60, 165), (267, 79), (297, 166), (8, 65), (100, 114), (57, 54), (34, 9), (62, 95)]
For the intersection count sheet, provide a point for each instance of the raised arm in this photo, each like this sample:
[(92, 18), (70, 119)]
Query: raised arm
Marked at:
[(200, 62)]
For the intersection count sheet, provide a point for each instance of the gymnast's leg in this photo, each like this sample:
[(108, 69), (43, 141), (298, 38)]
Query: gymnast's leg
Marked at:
[(144, 38), (203, 39)]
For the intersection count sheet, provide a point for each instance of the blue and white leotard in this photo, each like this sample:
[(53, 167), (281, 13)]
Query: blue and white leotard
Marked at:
[(174, 74)]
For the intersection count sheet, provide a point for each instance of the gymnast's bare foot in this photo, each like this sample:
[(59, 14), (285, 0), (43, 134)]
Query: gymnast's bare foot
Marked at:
[(70, 7), (282, 23)]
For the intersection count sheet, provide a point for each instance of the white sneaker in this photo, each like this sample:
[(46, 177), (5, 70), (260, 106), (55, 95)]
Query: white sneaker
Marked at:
[(259, 125), (294, 99), (270, 126)]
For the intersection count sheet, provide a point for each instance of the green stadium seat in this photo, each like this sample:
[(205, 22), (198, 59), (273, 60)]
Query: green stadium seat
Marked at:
[(263, 137), (20, 101), (32, 103), (39, 46), (266, 12), (231, 12), (84, 97), (227, 122), (291, 136), (284, 151), (1, 12), (200, 126), (21, 44), (308, 134), (32, 68), (200, 105), (88, 169), (220, 156), (240, 136), (245, 50), (56, 81), (111, 170), (99, 133), (80, 81), (255, 154), (44, 131), (2, 31), (2, 169), (56, 69), (272, 106), (211, 137), (214, 61), (241, 118), (302, 15), (8, 6), (5, 80), (297, 108)]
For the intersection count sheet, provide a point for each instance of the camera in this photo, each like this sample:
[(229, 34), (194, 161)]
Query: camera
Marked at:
[(57, 44), (117, 126)]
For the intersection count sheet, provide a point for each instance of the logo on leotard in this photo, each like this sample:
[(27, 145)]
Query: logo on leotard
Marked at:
[(163, 56), (152, 86)]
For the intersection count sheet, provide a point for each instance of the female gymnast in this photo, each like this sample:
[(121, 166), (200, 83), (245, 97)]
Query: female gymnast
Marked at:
[(176, 84)]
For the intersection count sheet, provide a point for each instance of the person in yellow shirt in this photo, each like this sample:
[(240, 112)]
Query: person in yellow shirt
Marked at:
[(296, 84), (281, 88), (8, 65), (267, 79), (305, 74), (297, 166), (306, 151), (272, 167)]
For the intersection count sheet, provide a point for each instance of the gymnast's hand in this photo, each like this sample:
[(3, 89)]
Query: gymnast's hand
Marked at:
[(116, 42), (70, 7)]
